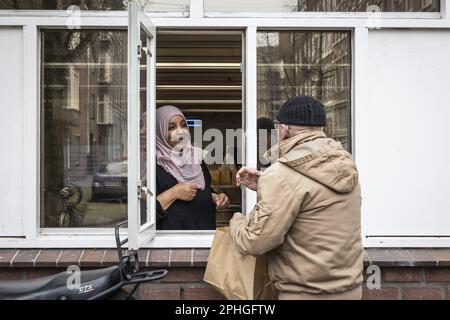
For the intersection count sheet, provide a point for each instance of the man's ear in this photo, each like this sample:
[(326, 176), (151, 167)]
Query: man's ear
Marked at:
[(285, 132)]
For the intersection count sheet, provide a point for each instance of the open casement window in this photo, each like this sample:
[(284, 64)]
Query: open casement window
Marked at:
[(141, 138)]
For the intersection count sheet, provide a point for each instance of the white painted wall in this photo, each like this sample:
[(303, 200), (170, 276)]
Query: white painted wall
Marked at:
[(401, 198), (11, 132), (403, 135)]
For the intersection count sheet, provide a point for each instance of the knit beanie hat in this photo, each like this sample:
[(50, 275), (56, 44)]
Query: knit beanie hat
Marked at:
[(303, 111)]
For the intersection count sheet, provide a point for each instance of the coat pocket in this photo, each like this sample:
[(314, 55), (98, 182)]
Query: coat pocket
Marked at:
[(258, 219)]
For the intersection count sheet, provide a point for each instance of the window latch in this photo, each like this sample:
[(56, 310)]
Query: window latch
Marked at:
[(147, 51), (143, 49), (139, 49), (143, 191)]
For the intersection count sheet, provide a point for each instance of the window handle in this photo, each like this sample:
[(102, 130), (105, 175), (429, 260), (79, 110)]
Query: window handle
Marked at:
[(147, 51), (143, 192), (143, 49)]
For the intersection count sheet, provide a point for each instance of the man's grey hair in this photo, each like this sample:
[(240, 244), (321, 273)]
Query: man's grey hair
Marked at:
[(295, 130)]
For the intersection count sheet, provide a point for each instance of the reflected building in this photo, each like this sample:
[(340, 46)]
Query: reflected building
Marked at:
[(307, 63), (363, 5), (84, 107), (316, 63), (106, 5), (62, 4)]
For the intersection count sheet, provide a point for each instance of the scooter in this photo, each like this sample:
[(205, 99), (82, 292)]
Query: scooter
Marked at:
[(102, 284)]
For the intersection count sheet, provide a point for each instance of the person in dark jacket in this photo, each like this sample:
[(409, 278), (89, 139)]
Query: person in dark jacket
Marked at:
[(185, 199)]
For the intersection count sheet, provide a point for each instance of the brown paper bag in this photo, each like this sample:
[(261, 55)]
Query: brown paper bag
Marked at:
[(237, 276)]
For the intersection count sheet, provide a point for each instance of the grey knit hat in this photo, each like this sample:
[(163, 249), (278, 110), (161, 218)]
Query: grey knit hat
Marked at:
[(303, 111)]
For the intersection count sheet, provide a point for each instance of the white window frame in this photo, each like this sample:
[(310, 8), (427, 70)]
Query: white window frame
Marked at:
[(33, 21)]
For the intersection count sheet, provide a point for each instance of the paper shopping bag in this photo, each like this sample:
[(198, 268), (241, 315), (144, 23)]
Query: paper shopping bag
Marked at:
[(237, 276)]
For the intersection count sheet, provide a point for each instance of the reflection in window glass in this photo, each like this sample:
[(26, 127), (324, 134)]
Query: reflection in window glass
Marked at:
[(322, 5), (310, 63), (151, 6), (84, 128), (143, 114)]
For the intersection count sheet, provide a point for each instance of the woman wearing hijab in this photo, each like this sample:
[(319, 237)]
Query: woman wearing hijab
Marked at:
[(185, 200)]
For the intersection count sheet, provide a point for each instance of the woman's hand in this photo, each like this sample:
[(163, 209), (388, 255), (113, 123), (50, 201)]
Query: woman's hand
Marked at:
[(182, 191), (185, 191), (221, 201), (249, 178)]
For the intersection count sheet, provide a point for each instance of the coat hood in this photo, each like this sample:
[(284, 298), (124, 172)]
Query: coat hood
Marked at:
[(319, 158)]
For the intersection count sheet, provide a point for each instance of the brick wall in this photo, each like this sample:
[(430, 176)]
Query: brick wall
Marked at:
[(412, 283), (405, 274)]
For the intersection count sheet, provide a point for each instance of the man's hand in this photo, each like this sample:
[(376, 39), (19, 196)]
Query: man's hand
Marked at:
[(237, 215), (249, 178), (221, 201)]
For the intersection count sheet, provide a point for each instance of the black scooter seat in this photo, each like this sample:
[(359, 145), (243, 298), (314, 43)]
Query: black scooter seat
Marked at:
[(93, 284)]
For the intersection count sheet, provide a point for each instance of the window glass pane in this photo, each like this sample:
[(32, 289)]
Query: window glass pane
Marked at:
[(143, 124), (151, 6), (322, 5), (311, 63), (84, 128)]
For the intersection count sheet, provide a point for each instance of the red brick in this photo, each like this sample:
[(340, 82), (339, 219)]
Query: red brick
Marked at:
[(401, 257), (423, 293), (159, 258), (201, 257), (423, 257), (402, 274), (111, 258), (366, 258), (380, 257), (6, 257), (181, 258), (185, 275), (37, 273), (92, 258), (12, 274), (48, 258), (385, 293), (25, 258), (442, 256), (69, 258), (143, 257), (158, 292), (200, 292), (437, 275)]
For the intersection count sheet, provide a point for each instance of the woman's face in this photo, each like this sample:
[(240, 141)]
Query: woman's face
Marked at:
[(178, 131)]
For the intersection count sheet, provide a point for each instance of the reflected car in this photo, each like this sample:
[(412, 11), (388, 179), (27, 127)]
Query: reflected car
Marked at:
[(110, 182)]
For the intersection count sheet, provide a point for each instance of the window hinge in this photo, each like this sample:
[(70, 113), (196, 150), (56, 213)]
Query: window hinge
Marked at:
[(143, 49), (139, 50)]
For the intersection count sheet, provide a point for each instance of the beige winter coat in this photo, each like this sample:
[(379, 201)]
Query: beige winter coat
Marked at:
[(308, 218)]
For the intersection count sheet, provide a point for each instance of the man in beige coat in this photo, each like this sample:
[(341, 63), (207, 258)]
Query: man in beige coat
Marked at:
[(308, 215)]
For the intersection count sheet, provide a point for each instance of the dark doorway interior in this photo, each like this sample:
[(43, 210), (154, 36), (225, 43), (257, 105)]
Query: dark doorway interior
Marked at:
[(200, 72)]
